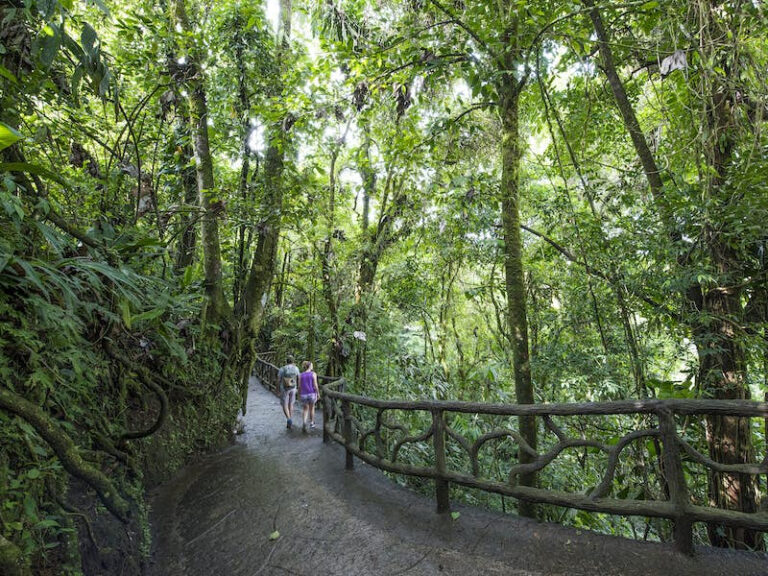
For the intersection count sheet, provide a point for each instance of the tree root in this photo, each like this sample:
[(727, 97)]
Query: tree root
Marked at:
[(147, 380), (67, 452), (106, 445), (72, 511), (68, 510)]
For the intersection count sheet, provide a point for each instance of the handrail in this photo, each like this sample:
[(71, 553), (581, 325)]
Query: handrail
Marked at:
[(267, 372), (344, 423), (617, 407)]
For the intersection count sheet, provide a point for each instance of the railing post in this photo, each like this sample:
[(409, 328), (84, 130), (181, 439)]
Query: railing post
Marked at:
[(275, 383), (442, 492), (678, 490), (326, 417), (346, 410)]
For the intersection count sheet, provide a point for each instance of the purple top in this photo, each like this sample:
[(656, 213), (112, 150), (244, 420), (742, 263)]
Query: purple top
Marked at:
[(306, 383)]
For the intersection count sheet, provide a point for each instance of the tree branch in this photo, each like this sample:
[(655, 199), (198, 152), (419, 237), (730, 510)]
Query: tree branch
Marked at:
[(454, 120), (571, 257), (650, 167), (475, 36), (66, 451)]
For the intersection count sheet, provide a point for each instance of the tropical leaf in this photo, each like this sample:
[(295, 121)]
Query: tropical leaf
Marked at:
[(8, 137)]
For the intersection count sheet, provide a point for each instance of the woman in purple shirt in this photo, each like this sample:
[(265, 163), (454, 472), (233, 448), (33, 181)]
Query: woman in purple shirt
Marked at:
[(309, 393)]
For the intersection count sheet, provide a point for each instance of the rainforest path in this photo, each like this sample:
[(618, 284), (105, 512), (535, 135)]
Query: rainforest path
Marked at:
[(216, 516)]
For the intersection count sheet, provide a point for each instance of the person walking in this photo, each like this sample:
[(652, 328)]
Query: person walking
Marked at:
[(286, 380), (309, 393)]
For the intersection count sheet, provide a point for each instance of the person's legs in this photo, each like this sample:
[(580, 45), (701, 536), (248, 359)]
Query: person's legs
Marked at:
[(291, 401), (312, 415), (284, 403), (289, 397), (304, 412)]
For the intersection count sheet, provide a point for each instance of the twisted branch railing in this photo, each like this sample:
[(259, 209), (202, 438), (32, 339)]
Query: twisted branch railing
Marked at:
[(380, 441)]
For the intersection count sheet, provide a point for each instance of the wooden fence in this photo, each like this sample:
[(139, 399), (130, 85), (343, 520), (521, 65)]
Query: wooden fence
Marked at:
[(663, 429)]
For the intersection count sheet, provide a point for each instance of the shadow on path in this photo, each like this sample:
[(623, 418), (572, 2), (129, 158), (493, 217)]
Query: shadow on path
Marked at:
[(215, 518)]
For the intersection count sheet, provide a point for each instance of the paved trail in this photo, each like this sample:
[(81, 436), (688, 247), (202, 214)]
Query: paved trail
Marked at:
[(215, 518)]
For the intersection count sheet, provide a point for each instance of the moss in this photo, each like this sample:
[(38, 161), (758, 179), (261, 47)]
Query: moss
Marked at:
[(12, 561)]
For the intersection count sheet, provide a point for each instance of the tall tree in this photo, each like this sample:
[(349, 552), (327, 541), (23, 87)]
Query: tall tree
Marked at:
[(714, 308), (210, 202), (509, 87), (506, 41), (262, 269)]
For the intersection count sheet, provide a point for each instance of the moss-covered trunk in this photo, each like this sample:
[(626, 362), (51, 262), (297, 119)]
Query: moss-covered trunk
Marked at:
[(185, 250), (12, 561), (722, 357), (211, 205), (262, 269), (713, 313), (263, 264), (517, 319)]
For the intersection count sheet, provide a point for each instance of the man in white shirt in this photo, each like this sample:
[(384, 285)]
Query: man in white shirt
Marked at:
[(287, 377)]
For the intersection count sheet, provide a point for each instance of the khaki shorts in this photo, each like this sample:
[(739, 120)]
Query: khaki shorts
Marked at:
[(288, 396)]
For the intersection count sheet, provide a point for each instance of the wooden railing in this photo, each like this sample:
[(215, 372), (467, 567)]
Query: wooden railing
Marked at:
[(451, 439), (266, 371)]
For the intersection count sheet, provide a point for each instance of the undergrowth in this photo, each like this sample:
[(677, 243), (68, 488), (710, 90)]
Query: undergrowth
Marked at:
[(110, 383)]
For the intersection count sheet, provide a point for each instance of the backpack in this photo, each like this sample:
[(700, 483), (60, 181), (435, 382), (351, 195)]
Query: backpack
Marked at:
[(289, 381)]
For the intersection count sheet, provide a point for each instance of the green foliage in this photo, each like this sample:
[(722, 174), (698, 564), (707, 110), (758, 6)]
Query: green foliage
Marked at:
[(68, 304), (390, 264), (8, 136)]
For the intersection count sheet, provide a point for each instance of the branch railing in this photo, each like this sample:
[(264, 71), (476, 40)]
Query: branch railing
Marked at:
[(266, 371), (451, 440)]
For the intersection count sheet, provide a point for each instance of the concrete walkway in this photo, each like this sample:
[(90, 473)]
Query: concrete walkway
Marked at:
[(216, 517)]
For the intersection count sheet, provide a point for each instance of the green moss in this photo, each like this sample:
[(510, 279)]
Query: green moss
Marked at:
[(12, 561)]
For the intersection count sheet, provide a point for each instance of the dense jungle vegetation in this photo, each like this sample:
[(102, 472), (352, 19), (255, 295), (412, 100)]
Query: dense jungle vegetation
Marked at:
[(557, 200)]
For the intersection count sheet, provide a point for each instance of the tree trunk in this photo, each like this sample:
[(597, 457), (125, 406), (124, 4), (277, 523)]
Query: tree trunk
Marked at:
[(368, 176), (336, 354), (185, 250), (367, 270), (638, 367), (242, 108), (714, 313), (722, 358), (311, 323), (242, 243), (375, 242), (445, 317), (285, 272), (263, 263), (256, 293), (217, 308), (336, 358), (652, 172), (722, 375), (517, 320)]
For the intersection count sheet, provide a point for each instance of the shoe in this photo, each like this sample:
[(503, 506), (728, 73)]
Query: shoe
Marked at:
[(289, 424), (304, 428), (312, 425)]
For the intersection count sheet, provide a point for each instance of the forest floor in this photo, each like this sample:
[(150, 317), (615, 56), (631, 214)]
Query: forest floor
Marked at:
[(216, 517)]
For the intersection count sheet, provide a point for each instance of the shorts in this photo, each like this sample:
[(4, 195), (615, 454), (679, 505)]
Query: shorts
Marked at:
[(288, 396), (309, 399)]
